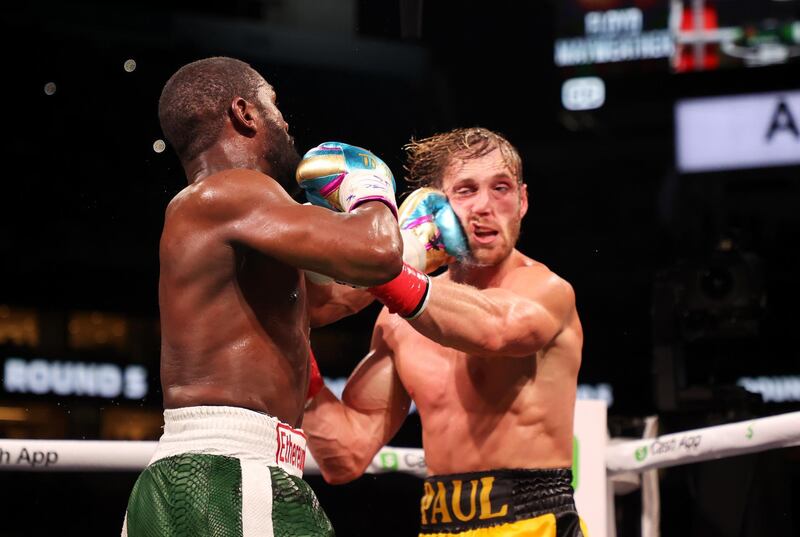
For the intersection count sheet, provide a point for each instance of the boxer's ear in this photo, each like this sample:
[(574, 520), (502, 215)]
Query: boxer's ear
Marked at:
[(243, 115), (523, 199)]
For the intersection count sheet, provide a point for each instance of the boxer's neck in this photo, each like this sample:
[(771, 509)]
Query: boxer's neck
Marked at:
[(485, 276)]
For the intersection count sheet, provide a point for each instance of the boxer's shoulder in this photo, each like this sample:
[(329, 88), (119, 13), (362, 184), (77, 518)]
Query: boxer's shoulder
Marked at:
[(227, 194), (532, 274)]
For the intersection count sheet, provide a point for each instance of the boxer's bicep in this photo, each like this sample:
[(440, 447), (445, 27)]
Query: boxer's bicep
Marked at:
[(375, 395), (328, 303), (345, 435), (362, 247), (377, 399), (355, 247)]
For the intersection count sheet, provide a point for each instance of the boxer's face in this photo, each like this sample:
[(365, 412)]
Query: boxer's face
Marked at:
[(279, 148), (490, 203)]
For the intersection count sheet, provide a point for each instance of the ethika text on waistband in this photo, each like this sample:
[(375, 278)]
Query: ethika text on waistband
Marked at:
[(291, 446)]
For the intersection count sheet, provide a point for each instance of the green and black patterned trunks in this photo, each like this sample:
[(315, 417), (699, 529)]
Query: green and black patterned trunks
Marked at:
[(225, 472)]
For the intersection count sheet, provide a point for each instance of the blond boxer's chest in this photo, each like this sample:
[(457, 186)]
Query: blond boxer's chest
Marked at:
[(481, 413)]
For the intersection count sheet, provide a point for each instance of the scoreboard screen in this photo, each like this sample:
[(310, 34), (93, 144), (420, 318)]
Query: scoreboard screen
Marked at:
[(593, 37), (599, 40), (682, 35)]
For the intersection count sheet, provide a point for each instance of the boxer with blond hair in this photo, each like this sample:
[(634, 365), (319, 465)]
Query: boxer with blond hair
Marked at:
[(491, 362)]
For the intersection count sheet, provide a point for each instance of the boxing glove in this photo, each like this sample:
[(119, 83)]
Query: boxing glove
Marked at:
[(432, 233), (341, 177)]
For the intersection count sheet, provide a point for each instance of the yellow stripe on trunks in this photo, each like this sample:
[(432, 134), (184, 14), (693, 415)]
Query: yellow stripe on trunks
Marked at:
[(541, 526)]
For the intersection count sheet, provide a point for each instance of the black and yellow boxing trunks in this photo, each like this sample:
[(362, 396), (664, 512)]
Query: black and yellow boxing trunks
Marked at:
[(508, 503), (222, 471)]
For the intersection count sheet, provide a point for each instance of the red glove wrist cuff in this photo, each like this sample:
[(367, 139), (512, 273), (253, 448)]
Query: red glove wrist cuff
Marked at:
[(406, 294), (315, 381)]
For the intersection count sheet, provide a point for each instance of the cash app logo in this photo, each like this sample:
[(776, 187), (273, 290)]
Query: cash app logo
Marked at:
[(576, 462), (389, 461), (641, 453), (749, 433)]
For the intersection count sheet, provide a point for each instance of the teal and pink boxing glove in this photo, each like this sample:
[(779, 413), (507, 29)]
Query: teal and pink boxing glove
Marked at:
[(341, 177), (432, 233), (432, 237)]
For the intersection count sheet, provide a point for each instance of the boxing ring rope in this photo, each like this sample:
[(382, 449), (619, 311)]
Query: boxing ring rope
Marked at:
[(629, 463), (641, 459), (718, 442), (638, 456)]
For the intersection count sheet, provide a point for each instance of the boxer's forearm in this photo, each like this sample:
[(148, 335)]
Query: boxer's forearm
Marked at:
[(329, 303), (338, 439), (491, 322), (372, 251)]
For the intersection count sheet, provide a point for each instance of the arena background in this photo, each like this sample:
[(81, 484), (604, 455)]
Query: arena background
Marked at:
[(687, 283)]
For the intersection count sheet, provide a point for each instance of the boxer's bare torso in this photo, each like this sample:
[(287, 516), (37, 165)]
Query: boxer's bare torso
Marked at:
[(234, 315), (492, 362), (481, 413), (234, 321)]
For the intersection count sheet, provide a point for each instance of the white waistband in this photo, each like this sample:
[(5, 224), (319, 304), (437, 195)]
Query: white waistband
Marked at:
[(232, 432)]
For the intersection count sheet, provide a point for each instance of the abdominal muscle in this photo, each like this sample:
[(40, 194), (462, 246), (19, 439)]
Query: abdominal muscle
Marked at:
[(488, 413)]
